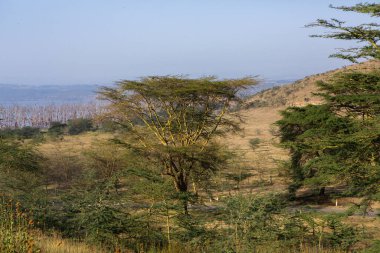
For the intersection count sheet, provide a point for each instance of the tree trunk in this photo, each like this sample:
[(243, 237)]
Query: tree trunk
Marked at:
[(322, 191), (182, 187)]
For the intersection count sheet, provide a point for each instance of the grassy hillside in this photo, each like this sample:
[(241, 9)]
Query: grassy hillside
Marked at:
[(262, 111), (301, 92)]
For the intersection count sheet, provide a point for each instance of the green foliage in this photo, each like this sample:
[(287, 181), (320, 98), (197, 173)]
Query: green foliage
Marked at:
[(98, 203), (341, 235), (21, 133), (265, 223), (109, 126), (254, 217), (374, 248), (353, 93), (20, 173), (173, 120), (80, 125), (366, 8), (14, 156), (15, 229), (338, 142), (254, 143), (56, 129), (28, 133), (364, 33), (238, 177), (299, 128), (144, 194)]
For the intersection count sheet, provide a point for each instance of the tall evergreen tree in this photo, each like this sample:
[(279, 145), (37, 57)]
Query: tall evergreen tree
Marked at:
[(338, 142)]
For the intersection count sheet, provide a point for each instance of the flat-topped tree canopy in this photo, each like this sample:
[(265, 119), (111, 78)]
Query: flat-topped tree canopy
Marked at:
[(190, 109), (180, 86), (174, 119)]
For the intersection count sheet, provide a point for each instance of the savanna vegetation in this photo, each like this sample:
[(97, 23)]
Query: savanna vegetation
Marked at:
[(153, 171)]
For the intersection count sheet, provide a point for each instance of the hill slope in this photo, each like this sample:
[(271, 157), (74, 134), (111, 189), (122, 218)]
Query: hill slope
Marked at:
[(262, 111), (300, 92)]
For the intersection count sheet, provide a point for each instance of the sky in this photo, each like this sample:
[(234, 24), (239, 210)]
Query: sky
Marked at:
[(64, 42)]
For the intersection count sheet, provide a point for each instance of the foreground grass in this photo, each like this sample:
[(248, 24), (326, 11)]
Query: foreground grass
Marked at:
[(15, 229), (261, 249), (57, 244)]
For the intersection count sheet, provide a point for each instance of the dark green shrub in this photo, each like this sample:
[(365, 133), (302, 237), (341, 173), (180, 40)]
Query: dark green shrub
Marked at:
[(28, 132), (254, 143), (7, 133), (109, 126), (374, 248), (80, 125), (342, 236), (21, 133), (56, 129)]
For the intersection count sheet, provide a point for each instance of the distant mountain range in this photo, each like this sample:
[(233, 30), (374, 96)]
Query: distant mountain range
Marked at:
[(79, 94), (264, 85)]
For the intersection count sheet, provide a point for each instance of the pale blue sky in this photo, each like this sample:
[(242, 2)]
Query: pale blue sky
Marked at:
[(101, 41)]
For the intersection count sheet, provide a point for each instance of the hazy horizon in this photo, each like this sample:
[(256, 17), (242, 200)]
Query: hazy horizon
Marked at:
[(99, 42)]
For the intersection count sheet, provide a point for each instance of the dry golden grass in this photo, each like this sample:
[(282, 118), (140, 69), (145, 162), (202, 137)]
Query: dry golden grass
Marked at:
[(300, 92), (56, 244), (260, 249), (263, 161), (74, 144)]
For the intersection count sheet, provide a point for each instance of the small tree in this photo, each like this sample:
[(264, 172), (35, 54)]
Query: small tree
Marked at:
[(19, 167), (56, 129), (80, 125), (174, 120)]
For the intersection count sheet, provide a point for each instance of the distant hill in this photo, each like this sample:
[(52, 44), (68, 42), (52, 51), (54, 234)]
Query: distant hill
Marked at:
[(301, 92), (43, 95), (265, 85)]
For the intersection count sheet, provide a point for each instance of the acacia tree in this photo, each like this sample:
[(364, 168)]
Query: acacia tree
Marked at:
[(363, 33), (331, 144), (353, 94), (338, 142), (19, 167), (174, 120)]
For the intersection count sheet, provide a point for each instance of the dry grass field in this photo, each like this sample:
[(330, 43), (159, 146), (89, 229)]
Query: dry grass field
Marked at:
[(74, 144), (56, 244)]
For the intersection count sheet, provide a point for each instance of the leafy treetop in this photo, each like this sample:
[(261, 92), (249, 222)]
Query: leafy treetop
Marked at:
[(369, 33)]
